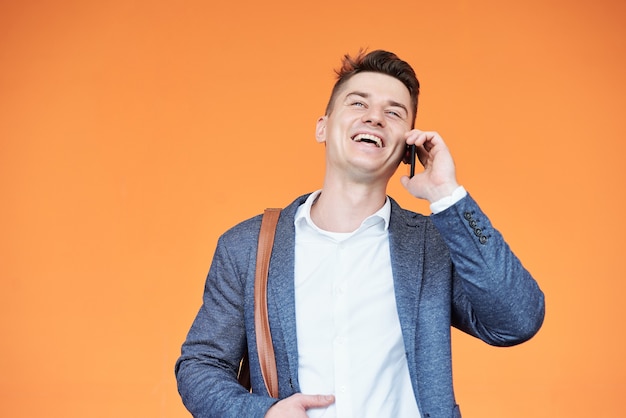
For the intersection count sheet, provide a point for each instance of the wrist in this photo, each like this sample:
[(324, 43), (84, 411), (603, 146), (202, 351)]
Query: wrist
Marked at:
[(447, 201), (442, 191)]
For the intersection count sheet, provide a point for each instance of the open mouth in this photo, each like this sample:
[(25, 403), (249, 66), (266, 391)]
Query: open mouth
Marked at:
[(369, 138)]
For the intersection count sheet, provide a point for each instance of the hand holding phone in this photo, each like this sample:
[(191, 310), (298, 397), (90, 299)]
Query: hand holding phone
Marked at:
[(438, 177)]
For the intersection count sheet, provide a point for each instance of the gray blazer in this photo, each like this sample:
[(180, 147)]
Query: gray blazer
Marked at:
[(450, 269)]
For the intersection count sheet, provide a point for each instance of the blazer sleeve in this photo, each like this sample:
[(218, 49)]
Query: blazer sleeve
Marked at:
[(206, 371), (494, 297)]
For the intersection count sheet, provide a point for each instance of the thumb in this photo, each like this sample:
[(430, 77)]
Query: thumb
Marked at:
[(317, 401), (405, 181)]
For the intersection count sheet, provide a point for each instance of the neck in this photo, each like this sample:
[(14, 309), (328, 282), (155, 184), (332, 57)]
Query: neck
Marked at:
[(342, 208)]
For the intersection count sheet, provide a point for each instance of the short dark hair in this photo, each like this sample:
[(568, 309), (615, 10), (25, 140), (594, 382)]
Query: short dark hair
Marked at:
[(378, 61)]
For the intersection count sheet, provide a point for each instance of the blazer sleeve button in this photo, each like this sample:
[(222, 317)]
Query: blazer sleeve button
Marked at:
[(483, 239)]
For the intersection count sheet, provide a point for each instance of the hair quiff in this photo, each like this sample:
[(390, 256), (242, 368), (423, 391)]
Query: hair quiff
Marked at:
[(378, 61)]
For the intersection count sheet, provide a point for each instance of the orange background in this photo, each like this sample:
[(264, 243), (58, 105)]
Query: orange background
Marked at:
[(133, 133)]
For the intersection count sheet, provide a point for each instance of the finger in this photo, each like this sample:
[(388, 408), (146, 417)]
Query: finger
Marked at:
[(425, 139), (412, 135), (423, 154), (434, 142), (428, 143)]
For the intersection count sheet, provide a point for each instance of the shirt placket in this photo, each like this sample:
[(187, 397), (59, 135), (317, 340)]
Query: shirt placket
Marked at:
[(341, 342)]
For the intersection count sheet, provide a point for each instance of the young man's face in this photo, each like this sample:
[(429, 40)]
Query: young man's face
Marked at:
[(364, 132)]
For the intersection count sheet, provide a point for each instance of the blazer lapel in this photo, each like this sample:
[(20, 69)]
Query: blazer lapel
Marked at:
[(406, 241)]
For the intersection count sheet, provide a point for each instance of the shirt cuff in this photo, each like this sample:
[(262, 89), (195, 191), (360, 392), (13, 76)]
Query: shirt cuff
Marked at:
[(444, 203)]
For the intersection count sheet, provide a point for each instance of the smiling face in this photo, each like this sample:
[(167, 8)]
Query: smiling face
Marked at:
[(364, 130)]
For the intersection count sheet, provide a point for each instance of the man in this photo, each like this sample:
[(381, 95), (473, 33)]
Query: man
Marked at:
[(361, 293)]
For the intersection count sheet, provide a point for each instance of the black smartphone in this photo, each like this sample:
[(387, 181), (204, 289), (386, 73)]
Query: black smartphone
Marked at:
[(412, 158)]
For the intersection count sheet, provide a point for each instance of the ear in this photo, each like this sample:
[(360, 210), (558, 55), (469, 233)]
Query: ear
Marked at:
[(320, 129)]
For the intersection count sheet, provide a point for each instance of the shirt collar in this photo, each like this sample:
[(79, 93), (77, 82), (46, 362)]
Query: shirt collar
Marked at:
[(303, 214)]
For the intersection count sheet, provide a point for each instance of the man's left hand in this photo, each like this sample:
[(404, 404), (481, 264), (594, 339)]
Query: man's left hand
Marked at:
[(438, 179)]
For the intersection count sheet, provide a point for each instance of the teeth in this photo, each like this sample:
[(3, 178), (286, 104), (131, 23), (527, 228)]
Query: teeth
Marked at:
[(369, 138)]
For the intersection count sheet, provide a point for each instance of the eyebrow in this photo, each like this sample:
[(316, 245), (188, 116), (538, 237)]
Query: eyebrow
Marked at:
[(389, 102)]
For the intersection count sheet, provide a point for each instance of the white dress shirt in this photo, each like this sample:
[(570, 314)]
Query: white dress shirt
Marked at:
[(349, 337)]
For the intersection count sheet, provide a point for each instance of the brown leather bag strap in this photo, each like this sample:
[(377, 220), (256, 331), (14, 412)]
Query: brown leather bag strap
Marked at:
[(265, 348)]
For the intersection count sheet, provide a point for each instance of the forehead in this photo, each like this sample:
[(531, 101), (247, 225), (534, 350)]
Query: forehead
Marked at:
[(379, 86)]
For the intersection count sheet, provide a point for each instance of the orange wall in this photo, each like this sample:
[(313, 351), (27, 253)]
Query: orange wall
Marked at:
[(133, 133)]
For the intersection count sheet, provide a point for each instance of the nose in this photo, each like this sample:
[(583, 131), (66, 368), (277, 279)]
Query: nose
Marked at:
[(374, 116)]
